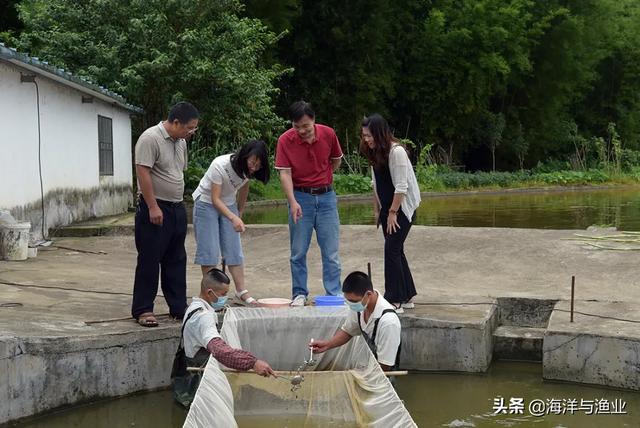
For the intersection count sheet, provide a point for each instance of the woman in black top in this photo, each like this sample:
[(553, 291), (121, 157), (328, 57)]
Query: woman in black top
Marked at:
[(396, 197)]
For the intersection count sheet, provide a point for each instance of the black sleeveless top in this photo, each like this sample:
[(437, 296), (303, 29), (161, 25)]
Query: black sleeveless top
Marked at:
[(384, 187)]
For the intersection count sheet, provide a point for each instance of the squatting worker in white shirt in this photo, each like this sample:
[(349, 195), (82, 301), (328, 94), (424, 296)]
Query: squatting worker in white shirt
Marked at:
[(217, 213), (200, 338), (372, 316), (201, 332)]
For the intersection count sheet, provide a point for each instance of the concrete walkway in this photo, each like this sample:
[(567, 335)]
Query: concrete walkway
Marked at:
[(85, 279)]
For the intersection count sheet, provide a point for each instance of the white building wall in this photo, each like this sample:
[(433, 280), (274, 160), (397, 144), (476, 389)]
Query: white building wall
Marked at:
[(69, 150)]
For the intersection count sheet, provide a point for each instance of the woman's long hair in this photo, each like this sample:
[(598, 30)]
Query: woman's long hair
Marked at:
[(256, 148), (383, 139)]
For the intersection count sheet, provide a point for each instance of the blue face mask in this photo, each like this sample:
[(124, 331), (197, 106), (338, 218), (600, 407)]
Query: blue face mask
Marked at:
[(218, 304), (357, 306)]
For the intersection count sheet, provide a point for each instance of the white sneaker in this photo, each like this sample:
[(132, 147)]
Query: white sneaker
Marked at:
[(299, 301), (398, 308)]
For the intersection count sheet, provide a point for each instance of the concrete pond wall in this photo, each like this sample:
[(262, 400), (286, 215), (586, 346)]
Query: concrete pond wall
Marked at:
[(41, 374), (602, 348)]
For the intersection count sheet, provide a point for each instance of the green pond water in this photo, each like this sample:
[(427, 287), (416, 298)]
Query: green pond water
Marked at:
[(434, 400), (619, 207)]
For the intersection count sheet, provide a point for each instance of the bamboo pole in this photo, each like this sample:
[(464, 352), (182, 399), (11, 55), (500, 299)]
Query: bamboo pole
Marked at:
[(293, 373), (573, 290)]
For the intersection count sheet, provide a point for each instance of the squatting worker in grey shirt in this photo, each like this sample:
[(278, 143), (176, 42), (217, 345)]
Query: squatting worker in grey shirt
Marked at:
[(161, 219)]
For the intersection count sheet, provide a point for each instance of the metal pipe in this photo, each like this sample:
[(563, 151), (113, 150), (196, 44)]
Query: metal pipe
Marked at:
[(31, 78)]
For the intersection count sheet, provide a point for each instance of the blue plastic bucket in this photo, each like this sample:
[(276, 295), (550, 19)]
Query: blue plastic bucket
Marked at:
[(329, 300)]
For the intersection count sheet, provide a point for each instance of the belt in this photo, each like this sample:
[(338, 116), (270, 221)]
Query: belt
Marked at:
[(163, 202), (169, 203), (314, 190)]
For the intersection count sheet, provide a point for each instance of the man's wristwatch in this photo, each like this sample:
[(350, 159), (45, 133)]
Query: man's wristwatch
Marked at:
[(391, 211)]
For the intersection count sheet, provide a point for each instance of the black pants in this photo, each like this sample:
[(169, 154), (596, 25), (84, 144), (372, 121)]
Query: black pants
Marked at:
[(398, 282), (161, 254)]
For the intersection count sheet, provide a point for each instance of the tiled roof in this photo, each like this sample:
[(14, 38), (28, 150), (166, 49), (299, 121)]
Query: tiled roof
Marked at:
[(63, 76)]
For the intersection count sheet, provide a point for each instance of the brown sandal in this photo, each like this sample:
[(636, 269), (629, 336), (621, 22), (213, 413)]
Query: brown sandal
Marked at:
[(148, 319)]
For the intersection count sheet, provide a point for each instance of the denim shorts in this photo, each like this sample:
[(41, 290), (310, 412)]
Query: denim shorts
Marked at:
[(215, 236)]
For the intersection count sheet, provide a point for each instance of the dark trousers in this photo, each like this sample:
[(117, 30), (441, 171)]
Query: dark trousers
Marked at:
[(398, 282), (161, 254)]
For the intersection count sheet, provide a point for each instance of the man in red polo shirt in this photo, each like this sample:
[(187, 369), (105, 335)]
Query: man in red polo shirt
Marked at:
[(306, 156)]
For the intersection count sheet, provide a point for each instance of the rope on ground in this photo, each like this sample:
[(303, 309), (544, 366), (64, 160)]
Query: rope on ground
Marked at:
[(55, 287), (555, 348), (599, 316), (119, 319), (100, 253), (10, 305), (456, 304), (108, 320), (550, 310)]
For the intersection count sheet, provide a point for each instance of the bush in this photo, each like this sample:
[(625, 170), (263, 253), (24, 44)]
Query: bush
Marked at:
[(572, 177), (192, 177), (462, 180), (552, 165), (455, 180), (630, 159), (351, 183), (257, 190)]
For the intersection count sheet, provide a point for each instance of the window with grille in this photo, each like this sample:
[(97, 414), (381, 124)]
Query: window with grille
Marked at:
[(105, 145)]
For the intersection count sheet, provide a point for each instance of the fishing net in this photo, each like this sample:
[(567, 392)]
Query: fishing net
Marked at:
[(343, 387)]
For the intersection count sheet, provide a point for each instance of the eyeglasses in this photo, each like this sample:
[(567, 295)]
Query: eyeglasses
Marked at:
[(192, 131)]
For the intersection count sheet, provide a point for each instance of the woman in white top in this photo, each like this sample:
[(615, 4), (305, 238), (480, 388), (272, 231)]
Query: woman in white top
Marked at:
[(396, 197), (217, 212)]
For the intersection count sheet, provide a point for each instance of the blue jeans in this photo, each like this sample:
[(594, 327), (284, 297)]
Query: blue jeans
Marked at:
[(319, 212)]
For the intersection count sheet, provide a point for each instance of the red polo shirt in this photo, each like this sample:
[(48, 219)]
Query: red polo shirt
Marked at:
[(310, 163)]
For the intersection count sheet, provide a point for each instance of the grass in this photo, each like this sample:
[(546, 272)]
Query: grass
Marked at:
[(623, 241)]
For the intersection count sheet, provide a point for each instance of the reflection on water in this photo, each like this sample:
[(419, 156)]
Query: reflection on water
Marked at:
[(150, 410), (619, 207), (466, 400), (434, 400)]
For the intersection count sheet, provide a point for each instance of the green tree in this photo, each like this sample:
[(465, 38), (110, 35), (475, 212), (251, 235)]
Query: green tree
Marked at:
[(9, 21), (459, 61), (156, 52), (615, 95), (492, 133), (278, 15), (342, 56)]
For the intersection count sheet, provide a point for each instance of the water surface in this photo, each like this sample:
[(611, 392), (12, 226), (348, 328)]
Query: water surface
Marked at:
[(434, 400), (619, 207)]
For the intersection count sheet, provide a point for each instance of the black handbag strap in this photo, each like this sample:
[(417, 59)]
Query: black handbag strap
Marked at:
[(185, 324), (371, 340), (374, 333)]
